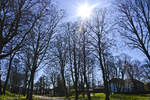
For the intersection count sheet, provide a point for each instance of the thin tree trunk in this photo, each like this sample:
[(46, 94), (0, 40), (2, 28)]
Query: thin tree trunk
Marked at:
[(8, 73), (0, 86), (84, 72), (32, 82), (76, 74), (25, 83), (82, 86), (63, 78), (102, 64), (1, 47), (87, 87), (0, 80), (107, 95), (28, 89)]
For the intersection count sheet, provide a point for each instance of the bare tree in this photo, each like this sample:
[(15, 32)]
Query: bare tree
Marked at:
[(11, 56), (17, 18), (72, 31), (146, 71), (101, 43), (134, 23), (52, 72), (16, 76), (84, 40), (75, 67), (60, 50), (38, 41)]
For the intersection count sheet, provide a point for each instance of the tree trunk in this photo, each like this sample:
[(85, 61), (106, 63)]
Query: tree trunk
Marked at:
[(31, 85), (106, 85), (28, 89), (102, 65), (0, 86), (87, 87), (25, 83), (32, 82), (85, 67), (1, 48), (64, 82), (76, 74), (107, 96), (82, 86), (107, 90), (8, 74)]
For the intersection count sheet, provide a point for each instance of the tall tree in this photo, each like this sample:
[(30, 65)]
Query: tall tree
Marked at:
[(71, 30), (52, 72), (85, 54), (60, 51), (39, 38), (17, 18), (100, 29), (11, 56), (134, 24)]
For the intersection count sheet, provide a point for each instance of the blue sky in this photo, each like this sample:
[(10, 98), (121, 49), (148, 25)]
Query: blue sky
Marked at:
[(70, 6)]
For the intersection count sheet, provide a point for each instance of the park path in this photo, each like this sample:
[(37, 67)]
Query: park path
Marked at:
[(46, 98)]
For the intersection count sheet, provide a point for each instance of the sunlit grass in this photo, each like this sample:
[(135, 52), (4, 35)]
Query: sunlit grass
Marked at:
[(101, 96), (10, 96), (130, 97), (94, 96)]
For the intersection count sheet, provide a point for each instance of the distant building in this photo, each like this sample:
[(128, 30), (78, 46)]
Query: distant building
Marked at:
[(126, 84), (118, 85), (99, 89)]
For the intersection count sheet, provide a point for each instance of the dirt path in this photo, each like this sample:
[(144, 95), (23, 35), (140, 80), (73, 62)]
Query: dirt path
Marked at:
[(47, 98)]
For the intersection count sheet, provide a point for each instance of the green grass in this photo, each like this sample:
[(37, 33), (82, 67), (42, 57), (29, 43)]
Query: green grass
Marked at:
[(15, 98), (7, 95), (96, 96), (61, 97), (101, 96), (11, 96), (130, 97)]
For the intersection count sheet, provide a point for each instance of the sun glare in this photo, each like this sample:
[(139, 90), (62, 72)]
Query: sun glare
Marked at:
[(85, 10)]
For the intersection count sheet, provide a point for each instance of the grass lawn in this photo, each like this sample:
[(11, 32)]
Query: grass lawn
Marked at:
[(16, 97), (130, 97), (11, 96), (96, 96), (101, 96)]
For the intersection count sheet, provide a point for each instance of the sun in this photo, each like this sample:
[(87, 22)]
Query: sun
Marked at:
[(85, 10)]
